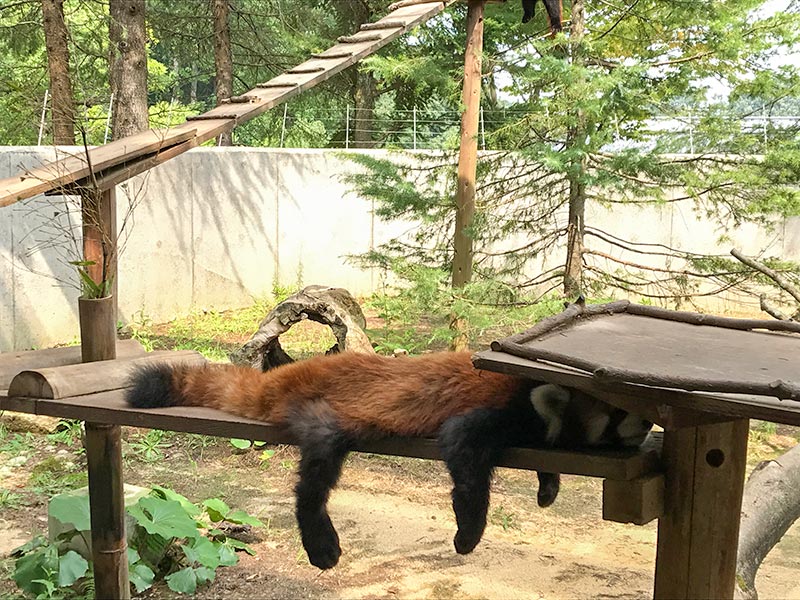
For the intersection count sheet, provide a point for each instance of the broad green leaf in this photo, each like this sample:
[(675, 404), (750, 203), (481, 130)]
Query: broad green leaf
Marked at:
[(203, 552), (71, 567), (166, 518), (204, 575), (141, 576), (241, 517), (239, 545), (227, 555), (31, 569), (133, 556), (183, 581), (217, 510), (167, 494), (240, 444), (71, 508)]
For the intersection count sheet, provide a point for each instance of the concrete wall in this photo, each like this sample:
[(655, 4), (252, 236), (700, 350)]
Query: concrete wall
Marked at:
[(216, 227)]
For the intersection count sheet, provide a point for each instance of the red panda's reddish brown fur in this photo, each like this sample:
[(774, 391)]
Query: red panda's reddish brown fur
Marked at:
[(367, 392)]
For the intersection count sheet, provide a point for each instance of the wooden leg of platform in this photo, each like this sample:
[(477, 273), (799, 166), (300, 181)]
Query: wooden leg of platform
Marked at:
[(107, 504), (698, 534)]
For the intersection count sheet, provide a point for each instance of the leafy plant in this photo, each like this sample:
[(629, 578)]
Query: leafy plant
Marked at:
[(241, 444), (173, 539), (68, 432), (150, 446), (89, 287), (9, 499)]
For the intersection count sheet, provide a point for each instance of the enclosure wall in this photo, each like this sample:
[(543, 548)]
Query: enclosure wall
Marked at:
[(216, 227)]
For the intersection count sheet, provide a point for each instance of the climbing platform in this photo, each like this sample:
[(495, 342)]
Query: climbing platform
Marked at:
[(119, 160)]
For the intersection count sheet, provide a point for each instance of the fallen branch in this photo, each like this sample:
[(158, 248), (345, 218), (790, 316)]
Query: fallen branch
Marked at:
[(334, 307), (771, 504)]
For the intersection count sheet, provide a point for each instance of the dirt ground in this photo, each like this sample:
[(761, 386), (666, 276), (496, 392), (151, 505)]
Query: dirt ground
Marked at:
[(395, 523)]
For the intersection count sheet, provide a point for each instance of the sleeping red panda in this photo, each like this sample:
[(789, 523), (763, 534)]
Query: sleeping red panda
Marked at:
[(328, 402)]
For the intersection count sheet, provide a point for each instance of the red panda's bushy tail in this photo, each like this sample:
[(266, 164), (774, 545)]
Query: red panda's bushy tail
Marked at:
[(154, 386)]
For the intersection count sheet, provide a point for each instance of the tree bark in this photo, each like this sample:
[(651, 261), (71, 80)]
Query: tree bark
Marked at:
[(128, 67), (223, 59), (770, 506), (467, 161), (63, 106), (366, 92), (573, 268)]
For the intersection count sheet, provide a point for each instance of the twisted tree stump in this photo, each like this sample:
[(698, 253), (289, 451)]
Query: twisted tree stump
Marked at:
[(334, 307)]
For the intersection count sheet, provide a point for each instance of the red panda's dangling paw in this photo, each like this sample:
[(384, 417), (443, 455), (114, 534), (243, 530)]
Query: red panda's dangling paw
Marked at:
[(322, 546), (549, 484)]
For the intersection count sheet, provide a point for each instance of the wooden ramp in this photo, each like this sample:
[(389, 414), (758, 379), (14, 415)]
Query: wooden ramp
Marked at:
[(121, 159)]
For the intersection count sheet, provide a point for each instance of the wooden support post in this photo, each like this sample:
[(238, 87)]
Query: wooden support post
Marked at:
[(107, 506), (467, 159), (698, 534), (103, 442)]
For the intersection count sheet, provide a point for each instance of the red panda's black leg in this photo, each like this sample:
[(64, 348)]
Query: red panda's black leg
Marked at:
[(323, 448), (471, 445), (549, 484)]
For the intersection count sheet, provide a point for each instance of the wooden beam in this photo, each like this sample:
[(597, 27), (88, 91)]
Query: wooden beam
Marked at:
[(90, 378), (107, 511), (224, 118), (56, 174), (110, 407), (636, 501), (698, 534), (12, 363)]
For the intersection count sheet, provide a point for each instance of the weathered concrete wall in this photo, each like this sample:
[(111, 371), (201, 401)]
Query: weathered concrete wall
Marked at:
[(216, 227)]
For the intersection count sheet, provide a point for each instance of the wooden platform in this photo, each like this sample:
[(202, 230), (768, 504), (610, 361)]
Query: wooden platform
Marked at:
[(110, 407)]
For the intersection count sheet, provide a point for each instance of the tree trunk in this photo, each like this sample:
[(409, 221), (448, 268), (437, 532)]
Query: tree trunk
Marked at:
[(223, 59), (128, 67), (63, 108), (366, 93), (467, 161), (573, 268), (770, 505)]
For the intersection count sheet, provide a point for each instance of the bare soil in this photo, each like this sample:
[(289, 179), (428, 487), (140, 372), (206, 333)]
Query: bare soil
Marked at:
[(395, 523)]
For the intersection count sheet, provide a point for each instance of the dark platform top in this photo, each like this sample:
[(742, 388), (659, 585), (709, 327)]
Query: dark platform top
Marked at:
[(742, 369), (110, 407)]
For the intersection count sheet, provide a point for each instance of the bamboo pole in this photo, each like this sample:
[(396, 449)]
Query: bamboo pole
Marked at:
[(467, 160)]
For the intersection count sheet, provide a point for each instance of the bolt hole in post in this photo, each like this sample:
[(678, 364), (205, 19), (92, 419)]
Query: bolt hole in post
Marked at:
[(715, 457)]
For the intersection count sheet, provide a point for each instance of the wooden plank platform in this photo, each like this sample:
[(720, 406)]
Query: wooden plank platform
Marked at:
[(110, 407), (657, 403), (124, 158), (12, 363)]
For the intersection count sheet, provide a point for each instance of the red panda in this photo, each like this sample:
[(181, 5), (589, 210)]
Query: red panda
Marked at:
[(328, 402), (552, 8)]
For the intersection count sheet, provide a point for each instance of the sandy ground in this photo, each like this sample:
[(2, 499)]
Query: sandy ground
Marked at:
[(396, 526)]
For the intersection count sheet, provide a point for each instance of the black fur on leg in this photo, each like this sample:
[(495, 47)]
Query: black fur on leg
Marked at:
[(549, 484), (150, 387), (528, 10), (471, 445), (323, 448)]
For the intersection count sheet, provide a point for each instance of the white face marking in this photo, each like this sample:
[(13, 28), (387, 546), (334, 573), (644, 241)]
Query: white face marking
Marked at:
[(549, 402), (632, 431), (596, 427)]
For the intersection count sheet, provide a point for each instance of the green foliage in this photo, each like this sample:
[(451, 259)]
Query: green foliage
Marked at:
[(53, 476), (9, 499), (68, 432), (150, 446), (173, 538)]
